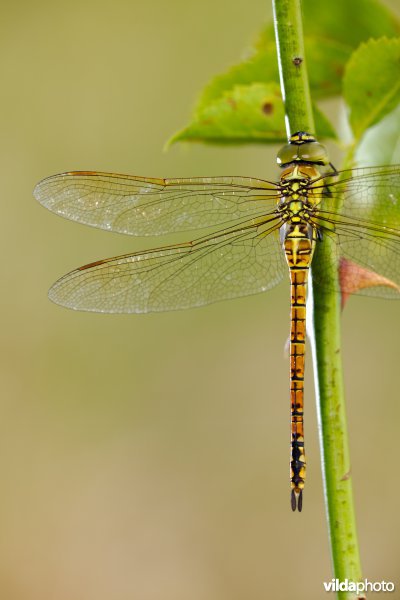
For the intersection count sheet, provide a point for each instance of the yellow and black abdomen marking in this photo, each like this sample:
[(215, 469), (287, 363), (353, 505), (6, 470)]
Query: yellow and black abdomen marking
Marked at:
[(299, 247)]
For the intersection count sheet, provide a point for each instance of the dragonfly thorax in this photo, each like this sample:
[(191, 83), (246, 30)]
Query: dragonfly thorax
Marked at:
[(299, 176), (297, 204), (297, 197)]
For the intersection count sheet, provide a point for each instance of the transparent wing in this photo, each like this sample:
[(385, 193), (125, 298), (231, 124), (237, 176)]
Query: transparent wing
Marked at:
[(369, 194), (229, 264), (379, 254), (366, 224), (142, 206)]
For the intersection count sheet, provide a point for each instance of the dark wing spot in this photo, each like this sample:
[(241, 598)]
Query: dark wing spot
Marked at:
[(93, 264)]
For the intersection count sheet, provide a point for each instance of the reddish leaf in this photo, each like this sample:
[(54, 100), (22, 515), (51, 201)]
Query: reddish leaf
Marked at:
[(353, 278)]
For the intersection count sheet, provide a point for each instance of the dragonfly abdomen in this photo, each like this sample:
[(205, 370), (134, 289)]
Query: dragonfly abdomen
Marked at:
[(299, 247)]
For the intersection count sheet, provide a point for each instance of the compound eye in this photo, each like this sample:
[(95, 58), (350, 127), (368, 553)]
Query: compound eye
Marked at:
[(287, 154), (313, 152)]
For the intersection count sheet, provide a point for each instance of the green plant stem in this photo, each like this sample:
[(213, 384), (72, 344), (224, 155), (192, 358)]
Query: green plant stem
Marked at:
[(292, 66), (335, 458), (324, 319)]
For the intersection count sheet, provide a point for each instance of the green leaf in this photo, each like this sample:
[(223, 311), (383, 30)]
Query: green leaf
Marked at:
[(244, 114), (381, 143), (348, 23), (330, 36), (224, 114), (380, 146), (261, 68), (329, 42), (371, 85), (327, 59)]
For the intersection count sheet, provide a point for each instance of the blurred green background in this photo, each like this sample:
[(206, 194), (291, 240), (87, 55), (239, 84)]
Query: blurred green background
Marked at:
[(146, 457)]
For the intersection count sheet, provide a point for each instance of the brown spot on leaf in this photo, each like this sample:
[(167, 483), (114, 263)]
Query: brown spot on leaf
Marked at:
[(297, 60), (339, 70), (267, 108)]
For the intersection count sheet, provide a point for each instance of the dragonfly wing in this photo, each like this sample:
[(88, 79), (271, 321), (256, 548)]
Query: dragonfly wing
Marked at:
[(143, 206), (370, 194), (372, 264), (230, 264), (361, 213)]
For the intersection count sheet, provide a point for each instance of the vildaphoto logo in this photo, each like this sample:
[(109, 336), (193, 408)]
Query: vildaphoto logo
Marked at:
[(335, 585)]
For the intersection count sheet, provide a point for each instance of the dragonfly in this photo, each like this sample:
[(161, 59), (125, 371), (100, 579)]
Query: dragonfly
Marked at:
[(262, 231)]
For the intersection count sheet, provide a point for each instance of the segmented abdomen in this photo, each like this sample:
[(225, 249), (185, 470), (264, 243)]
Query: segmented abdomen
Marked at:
[(299, 248)]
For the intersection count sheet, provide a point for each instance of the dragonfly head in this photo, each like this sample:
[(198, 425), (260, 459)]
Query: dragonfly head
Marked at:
[(302, 148)]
